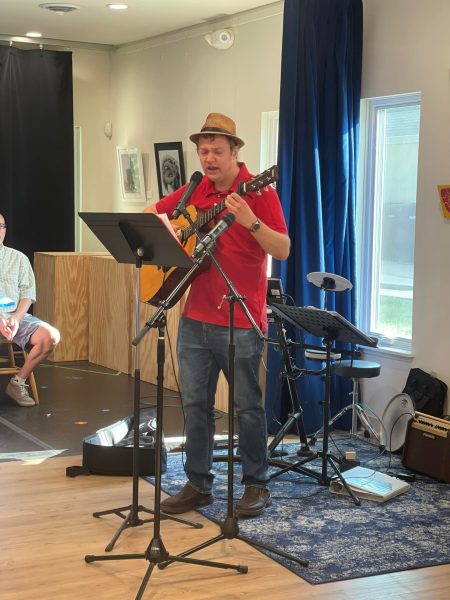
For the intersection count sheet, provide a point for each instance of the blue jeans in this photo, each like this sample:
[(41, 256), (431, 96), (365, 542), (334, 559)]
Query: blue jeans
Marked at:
[(202, 351)]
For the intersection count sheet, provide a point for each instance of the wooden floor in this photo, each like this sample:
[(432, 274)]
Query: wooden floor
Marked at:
[(47, 528)]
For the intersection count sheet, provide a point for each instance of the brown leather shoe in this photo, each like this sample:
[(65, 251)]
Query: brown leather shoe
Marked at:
[(187, 499), (254, 501)]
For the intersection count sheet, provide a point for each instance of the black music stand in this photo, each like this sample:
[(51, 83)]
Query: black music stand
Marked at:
[(332, 327), (136, 238), (155, 245)]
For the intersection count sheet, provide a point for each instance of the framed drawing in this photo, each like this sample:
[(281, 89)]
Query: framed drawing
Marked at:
[(131, 174), (444, 196), (169, 167)]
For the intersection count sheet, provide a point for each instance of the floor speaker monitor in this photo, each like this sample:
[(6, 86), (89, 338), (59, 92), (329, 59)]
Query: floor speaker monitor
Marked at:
[(427, 447)]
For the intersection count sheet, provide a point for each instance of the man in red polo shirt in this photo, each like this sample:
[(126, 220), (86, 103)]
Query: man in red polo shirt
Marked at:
[(259, 229)]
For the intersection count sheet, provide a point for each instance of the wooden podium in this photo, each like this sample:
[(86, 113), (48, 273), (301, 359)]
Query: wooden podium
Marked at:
[(62, 290), (89, 298)]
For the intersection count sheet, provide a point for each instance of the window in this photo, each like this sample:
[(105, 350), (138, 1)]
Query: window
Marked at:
[(386, 217), (269, 152)]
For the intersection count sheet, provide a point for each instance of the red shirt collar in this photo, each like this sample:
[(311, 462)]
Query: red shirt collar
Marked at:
[(241, 177)]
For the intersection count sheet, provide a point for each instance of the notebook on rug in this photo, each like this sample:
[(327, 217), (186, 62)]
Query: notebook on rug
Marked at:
[(369, 484)]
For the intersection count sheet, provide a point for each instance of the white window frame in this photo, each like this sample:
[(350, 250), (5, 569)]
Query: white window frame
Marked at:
[(78, 201), (269, 151), (269, 139), (367, 219)]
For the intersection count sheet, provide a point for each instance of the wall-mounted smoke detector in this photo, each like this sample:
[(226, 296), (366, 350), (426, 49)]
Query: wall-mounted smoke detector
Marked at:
[(58, 8), (222, 39)]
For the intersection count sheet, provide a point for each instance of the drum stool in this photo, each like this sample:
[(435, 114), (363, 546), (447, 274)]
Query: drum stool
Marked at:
[(355, 370)]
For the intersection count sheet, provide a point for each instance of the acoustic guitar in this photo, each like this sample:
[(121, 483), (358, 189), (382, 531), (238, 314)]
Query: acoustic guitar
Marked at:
[(156, 283)]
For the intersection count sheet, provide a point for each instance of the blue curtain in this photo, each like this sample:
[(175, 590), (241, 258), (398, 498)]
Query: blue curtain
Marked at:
[(317, 156)]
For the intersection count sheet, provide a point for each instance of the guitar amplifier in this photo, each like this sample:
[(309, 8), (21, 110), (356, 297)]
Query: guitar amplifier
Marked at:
[(427, 446)]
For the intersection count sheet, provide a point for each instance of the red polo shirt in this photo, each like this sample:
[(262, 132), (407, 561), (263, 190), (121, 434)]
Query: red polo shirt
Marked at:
[(238, 253)]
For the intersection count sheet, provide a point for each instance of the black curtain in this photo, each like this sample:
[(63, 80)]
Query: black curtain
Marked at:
[(36, 149)]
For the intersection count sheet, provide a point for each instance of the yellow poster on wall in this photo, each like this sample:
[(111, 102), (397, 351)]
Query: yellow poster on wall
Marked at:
[(444, 196)]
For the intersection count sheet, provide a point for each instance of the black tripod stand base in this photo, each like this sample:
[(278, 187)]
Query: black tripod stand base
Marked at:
[(120, 513), (133, 520), (230, 530), (156, 554)]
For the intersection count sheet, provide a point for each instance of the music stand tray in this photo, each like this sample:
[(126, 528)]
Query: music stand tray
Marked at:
[(123, 233), (324, 324)]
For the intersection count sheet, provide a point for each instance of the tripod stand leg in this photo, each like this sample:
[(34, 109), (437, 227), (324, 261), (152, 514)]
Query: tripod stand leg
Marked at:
[(350, 492), (116, 536), (300, 561), (365, 421), (331, 422), (296, 467), (145, 581), (293, 418), (218, 538)]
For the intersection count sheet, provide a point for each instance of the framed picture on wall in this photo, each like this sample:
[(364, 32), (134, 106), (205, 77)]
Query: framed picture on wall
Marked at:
[(131, 174), (444, 196), (169, 167)]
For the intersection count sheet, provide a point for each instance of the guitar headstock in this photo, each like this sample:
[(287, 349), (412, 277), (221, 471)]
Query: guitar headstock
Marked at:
[(260, 181)]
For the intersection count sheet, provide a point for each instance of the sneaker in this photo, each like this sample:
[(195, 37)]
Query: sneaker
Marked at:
[(18, 392)]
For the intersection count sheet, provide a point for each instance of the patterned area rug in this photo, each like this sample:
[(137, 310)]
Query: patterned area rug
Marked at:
[(339, 539)]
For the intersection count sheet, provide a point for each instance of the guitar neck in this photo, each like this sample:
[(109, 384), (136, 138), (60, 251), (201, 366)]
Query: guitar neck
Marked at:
[(202, 220), (253, 185)]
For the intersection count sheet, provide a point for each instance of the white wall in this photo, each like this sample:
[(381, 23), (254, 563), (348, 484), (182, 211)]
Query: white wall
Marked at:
[(407, 49), (92, 100), (161, 90)]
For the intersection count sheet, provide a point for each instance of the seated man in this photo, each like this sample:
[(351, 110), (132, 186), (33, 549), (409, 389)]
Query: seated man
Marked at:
[(17, 283)]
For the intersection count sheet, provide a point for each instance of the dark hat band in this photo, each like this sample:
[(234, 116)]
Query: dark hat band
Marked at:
[(218, 130)]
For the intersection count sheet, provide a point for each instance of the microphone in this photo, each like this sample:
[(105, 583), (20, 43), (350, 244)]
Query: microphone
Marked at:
[(195, 180), (211, 237)]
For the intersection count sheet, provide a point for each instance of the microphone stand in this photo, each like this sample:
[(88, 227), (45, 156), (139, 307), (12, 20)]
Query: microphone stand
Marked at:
[(230, 527)]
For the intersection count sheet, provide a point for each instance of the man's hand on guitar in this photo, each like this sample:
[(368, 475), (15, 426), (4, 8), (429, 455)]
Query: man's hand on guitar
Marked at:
[(240, 209)]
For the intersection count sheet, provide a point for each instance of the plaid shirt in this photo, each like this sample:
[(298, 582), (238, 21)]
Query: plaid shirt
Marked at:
[(16, 276)]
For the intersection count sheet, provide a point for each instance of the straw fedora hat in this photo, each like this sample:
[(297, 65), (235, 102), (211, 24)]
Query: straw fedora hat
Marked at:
[(217, 124)]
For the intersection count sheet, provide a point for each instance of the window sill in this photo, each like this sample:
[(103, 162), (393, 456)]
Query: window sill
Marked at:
[(392, 353)]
